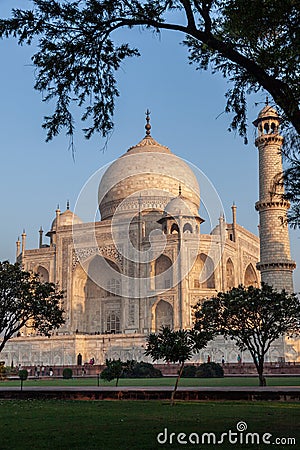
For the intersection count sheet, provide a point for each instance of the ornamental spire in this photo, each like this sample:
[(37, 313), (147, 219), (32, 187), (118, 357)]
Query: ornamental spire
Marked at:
[(148, 126)]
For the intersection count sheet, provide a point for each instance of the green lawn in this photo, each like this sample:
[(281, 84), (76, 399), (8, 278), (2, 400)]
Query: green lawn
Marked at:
[(165, 381), (71, 425)]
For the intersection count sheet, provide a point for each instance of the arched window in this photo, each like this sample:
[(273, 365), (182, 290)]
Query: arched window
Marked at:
[(43, 274), (174, 228), (163, 315), (250, 278), (163, 273), (187, 228), (113, 323), (229, 274), (113, 287)]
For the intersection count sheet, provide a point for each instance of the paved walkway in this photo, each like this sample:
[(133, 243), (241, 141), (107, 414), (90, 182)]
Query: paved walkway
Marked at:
[(163, 393), (153, 388)]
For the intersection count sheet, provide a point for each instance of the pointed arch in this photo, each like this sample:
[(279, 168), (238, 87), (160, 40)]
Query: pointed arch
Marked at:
[(163, 273), (174, 229), (77, 309), (163, 315), (187, 228), (230, 279), (43, 274), (250, 277), (202, 273), (92, 288)]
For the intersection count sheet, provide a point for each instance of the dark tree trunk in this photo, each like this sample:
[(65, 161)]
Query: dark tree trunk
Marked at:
[(260, 370), (176, 384)]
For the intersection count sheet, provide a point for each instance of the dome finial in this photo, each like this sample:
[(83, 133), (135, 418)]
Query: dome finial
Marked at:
[(148, 126), (68, 204), (267, 100)]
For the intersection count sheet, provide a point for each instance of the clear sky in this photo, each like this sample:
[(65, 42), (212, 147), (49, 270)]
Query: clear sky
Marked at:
[(187, 115)]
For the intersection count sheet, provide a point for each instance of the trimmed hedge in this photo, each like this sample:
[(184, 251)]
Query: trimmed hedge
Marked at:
[(189, 371), (210, 370), (134, 369), (205, 370)]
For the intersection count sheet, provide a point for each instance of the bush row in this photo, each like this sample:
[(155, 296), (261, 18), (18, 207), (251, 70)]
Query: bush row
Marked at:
[(205, 370)]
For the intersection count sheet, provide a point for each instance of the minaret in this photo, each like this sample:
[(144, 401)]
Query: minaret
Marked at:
[(18, 246), (233, 209), (275, 263), (23, 243), (41, 237)]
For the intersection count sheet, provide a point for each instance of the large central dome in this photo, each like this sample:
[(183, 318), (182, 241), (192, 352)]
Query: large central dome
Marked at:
[(147, 176)]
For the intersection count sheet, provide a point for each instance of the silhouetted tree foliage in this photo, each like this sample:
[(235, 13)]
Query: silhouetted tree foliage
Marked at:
[(255, 46), (291, 177), (113, 370), (252, 317), (176, 347), (25, 301)]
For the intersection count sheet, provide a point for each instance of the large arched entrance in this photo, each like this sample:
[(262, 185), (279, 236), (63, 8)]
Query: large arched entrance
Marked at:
[(96, 302)]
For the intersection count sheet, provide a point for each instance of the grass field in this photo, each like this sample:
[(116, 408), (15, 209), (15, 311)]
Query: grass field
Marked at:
[(165, 381), (72, 425)]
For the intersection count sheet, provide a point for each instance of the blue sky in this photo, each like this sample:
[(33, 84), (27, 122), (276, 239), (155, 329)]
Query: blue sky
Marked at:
[(187, 115)]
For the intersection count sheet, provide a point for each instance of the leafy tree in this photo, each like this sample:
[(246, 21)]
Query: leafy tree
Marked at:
[(113, 370), (252, 317), (291, 179), (27, 302), (23, 375), (176, 347), (253, 47)]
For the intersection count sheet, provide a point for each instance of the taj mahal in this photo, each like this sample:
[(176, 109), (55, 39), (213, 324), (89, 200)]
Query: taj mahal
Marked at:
[(145, 263)]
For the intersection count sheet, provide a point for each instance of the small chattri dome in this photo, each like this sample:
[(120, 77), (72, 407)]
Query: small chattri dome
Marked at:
[(269, 117), (267, 111), (181, 206), (66, 218)]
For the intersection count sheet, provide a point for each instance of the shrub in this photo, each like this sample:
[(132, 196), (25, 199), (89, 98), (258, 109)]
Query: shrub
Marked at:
[(189, 371), (67, 373), (210, 370), (3, 371), (23, 374), (134, 369)]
